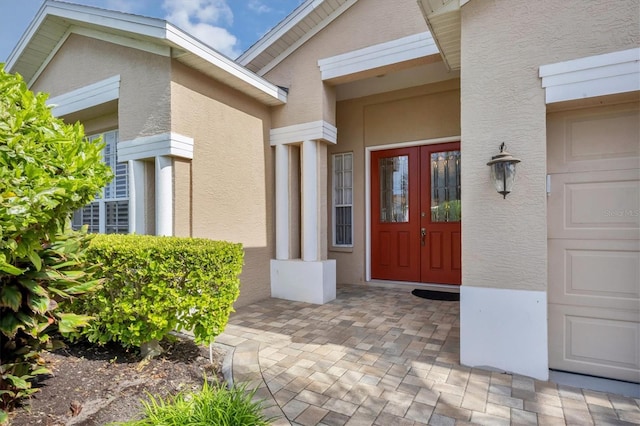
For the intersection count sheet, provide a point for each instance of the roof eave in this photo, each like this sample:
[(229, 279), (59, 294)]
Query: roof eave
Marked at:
[(443, 20), (144, 28)]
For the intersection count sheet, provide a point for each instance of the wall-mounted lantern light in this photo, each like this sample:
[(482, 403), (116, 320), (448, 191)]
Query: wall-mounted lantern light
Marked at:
[(503, 171)]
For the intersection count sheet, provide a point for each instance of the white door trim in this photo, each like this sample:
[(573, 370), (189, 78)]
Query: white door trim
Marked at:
[(367, 187)]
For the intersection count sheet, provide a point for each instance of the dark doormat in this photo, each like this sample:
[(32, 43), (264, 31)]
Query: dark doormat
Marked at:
[(436, 295)]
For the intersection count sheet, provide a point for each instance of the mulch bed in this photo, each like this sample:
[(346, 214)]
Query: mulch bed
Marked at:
[(97, 385)]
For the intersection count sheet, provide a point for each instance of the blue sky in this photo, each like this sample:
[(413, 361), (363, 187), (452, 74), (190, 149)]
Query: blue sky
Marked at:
[(230, 26)]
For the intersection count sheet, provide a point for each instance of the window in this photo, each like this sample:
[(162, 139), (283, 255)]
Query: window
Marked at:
[(343, 200), (109, 212)]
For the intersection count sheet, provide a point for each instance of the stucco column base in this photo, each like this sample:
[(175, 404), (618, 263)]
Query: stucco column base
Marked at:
[(504, 330), (300, 281)]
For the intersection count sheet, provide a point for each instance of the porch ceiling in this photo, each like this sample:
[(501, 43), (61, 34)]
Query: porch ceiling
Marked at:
[(443, 19)]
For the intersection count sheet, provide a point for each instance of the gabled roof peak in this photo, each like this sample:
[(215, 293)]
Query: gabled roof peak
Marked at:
[(298, 27), (56, 20)]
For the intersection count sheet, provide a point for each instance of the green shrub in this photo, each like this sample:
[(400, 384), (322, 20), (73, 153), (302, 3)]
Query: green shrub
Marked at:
[(154, 285), (47, 170), (210, 406)]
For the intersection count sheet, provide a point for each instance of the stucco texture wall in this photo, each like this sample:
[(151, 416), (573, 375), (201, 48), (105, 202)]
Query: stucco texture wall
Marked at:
[(231, 175), (415, 114), (366, 23), (143, 107), (504, 42)]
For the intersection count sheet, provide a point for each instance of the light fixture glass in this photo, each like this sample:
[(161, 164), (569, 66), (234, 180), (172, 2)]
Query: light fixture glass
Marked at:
[(503, 171)]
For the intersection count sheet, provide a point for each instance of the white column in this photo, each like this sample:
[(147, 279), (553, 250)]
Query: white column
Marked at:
[(282, 202), (137, 219), (310, 225), (164, 195)]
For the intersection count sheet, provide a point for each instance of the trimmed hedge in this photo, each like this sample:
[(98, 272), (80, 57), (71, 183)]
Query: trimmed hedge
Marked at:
[(154, 285)]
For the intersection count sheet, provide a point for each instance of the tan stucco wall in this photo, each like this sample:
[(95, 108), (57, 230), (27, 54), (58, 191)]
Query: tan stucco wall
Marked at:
[(416, 114), (504, 42), (231, 175), (366, 23), (143, 107)]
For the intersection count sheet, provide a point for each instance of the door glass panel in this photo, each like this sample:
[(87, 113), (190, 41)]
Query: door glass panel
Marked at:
[(445, 186), (394, 189)]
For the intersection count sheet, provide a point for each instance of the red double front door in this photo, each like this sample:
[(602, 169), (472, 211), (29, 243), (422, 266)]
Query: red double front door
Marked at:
[(416, 215)]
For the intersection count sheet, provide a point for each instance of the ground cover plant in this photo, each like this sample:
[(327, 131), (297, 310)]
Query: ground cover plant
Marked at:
[(47, 170), (211, 405)]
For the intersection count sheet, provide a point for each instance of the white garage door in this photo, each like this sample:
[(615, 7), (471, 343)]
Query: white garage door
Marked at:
[(593, 159)]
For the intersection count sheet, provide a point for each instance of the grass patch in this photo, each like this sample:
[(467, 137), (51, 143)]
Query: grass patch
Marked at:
[(212, 405)]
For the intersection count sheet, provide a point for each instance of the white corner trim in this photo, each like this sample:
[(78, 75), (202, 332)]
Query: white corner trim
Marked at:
[(600, 75), (379, 55), (165, 144), (86, 97), (313, 130), (504, 330)]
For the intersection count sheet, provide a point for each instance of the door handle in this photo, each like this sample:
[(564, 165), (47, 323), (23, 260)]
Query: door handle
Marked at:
[(423, 234)]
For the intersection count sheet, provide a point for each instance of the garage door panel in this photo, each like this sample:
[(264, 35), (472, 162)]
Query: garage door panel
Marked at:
[(575, 139), (596, 273), (598, 342), (595, 205), (593, 217)]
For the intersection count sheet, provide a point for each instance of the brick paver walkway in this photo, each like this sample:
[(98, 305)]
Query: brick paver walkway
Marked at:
[(378, 356)]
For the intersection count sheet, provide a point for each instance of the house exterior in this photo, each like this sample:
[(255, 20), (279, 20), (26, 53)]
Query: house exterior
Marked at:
[(349, 145)]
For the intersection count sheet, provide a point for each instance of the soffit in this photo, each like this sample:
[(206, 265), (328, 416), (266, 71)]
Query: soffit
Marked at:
[(443, 19), (307, 19), (56, 20)]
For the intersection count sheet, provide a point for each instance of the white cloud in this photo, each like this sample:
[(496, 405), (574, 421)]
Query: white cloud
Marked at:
[(204, 19), (258, 7)]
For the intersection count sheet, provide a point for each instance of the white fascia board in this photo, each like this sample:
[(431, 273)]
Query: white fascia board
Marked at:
[(165, 144), (86, 97), (26, 37), (314, 130), (306, 37), (183, 40), (142, 25), (278, 31), (383, 54), (600, 75), (146, 46), (293, 19)]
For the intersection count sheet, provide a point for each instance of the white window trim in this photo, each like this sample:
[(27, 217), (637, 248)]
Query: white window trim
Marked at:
[(334, 205)]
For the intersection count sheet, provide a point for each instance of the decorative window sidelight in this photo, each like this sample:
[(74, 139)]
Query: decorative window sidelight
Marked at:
[(343, 200), (109, 212)]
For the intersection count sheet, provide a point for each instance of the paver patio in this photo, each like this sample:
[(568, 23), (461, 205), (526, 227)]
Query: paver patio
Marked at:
[(381, 356)]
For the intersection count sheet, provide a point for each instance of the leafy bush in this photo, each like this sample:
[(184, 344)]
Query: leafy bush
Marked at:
[(211, 406), (154, 285), (47, 170)]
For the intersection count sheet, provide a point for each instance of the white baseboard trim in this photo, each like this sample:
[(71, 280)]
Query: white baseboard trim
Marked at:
[(504, 330)]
